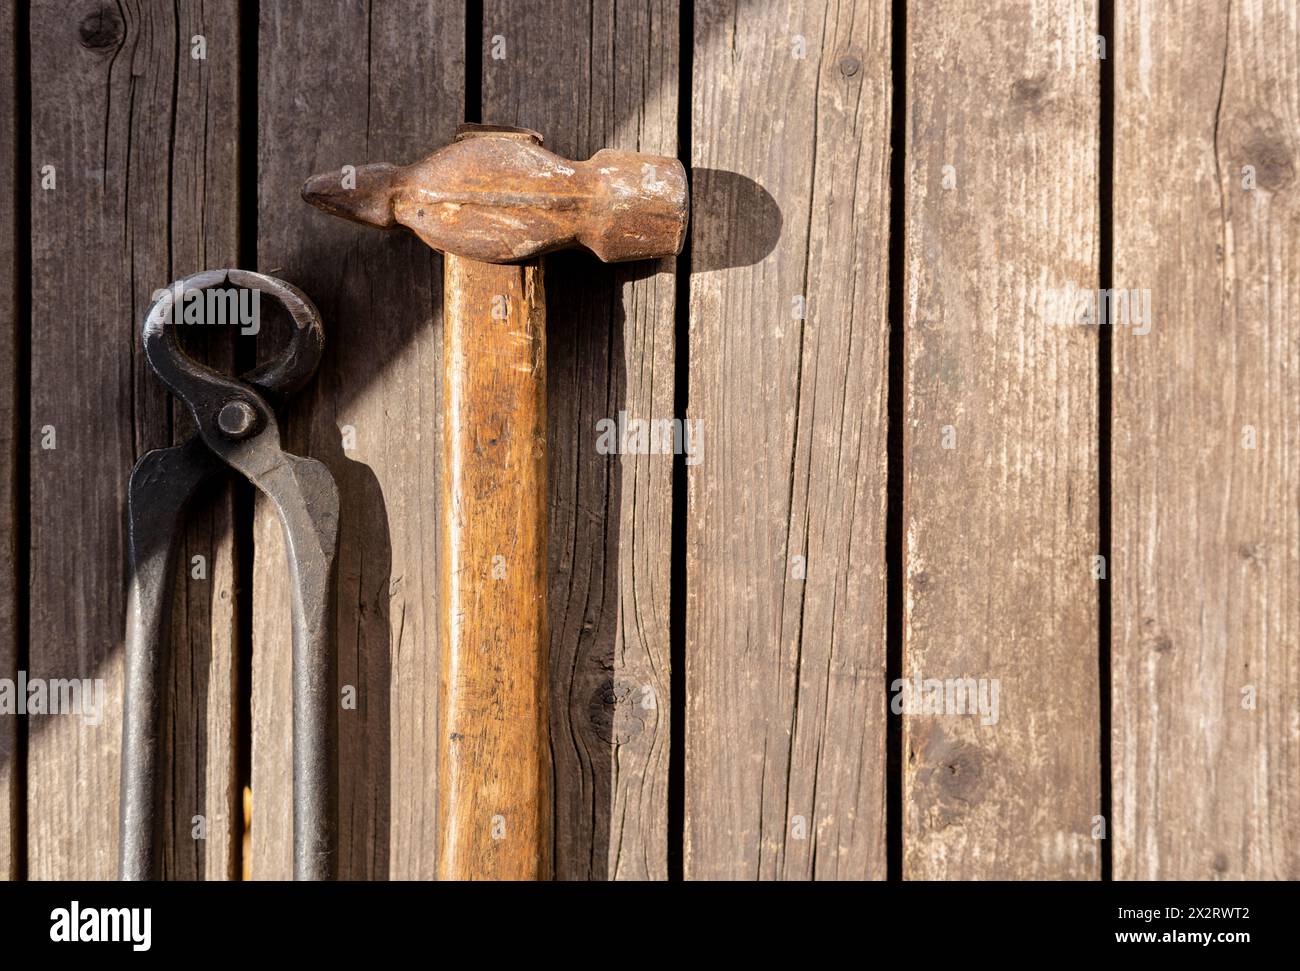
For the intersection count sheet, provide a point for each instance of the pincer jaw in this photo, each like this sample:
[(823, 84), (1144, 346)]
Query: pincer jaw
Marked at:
[(363, 195)]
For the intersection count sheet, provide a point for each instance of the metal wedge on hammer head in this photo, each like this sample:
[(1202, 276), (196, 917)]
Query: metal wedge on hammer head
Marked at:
[(494, 201)]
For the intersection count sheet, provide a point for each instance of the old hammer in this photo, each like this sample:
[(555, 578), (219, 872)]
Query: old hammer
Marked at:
[(494, 201)]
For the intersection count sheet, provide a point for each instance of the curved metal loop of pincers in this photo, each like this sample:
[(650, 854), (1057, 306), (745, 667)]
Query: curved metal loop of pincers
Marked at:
[(282, 376), (237, 427), (232, 417)]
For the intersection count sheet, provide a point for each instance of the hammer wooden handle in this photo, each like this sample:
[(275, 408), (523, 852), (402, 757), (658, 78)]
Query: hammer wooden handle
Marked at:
[(494, 753)]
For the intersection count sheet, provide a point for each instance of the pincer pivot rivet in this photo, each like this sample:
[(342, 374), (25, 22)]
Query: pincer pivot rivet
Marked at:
[(236, 418)]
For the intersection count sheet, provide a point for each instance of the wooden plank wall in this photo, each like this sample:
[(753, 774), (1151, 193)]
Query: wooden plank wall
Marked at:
[(999, 430), (371, 82), (137, 142), (1000, 511), (591, 76), (1207, 442), (785, 639), (12, 510)]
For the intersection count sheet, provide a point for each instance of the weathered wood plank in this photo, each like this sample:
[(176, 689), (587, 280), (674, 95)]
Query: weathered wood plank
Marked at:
[(785, 639), (202, 722), (1206, 505), (141, 138), (11, 512), (592, 76), (370, 82), (1000, 439)]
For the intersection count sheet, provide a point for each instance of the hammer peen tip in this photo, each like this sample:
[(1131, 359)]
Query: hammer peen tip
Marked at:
[(362, 193)]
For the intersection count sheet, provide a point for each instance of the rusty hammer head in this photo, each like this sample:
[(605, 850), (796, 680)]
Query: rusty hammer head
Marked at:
[(497, 196)]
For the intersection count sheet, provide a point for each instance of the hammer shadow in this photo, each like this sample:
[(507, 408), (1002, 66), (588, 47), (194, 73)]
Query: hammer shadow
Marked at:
[(610, 659), (735, 222), (587, 383)]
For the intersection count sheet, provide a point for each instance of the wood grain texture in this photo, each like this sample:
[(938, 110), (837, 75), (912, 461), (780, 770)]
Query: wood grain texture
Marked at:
[(370, 82), (593, 76), (142, 140), (1000, 439), (1207, 527), (12, 511), (494, 760), (785, 630)]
